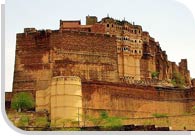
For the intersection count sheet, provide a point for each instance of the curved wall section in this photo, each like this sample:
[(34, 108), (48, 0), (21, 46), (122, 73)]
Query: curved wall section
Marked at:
[(63, 99)]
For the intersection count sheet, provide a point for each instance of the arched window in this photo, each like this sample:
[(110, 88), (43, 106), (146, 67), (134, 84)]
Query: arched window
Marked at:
[(107, 25), (135, 51), (135, 31)]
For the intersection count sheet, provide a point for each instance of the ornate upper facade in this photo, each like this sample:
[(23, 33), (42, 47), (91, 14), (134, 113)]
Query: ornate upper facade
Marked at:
[(139, 55)]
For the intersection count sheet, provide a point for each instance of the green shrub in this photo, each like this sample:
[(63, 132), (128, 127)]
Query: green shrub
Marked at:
[(154, 75), (159, 115), (22, 100), (106, 122), (178, 80), (112, 122), (24, 121), (193, 108), (41, 122)]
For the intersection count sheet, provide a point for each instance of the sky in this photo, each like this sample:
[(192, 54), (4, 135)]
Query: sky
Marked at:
[(168, 21)]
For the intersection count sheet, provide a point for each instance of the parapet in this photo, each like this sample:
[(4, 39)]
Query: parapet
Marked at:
[(183, 64), (69, 24), (145, 33), (29, 30), (91, 20), (152, 39), (137, 27)]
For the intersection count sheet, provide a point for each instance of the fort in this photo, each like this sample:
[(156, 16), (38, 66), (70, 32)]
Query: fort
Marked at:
[(108, 65)]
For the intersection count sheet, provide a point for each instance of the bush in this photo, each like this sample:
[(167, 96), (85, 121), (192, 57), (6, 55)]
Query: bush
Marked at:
[(106, 122), (42, 122), (159, 115), (113, 122), (178, 80), (22, 101), (154, 75), (24, 121)]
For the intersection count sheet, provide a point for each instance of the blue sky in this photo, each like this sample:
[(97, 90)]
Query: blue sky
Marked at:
[(168, 21)]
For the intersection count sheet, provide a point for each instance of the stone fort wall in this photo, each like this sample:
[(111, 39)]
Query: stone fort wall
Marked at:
[(69, 98), (135, 101), (41, 55)]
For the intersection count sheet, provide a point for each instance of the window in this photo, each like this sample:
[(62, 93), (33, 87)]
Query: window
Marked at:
[(135, 51), (107, 25), (125, 48), (112, 25), (135, 31)]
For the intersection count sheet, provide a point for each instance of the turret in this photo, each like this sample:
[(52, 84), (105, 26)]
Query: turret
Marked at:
[(91, 20)]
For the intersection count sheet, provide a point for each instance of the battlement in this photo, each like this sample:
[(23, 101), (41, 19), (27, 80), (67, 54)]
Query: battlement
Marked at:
[(38, 33), (183, 64), (29, 30)]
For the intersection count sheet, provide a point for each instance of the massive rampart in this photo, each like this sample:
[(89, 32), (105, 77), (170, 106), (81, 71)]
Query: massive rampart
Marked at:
[(41, 55), (87, 55), (135, 101)]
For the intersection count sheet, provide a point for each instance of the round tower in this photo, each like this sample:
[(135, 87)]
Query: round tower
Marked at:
[(66, 98)]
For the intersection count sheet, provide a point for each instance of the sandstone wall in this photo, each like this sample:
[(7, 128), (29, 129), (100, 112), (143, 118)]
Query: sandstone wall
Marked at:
[(154, 59), (87, 55), (131, 101), (41, 55), (32, 62)]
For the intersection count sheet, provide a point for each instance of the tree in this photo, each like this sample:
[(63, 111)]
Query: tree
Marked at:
[(22, 101), (178, 80), (155, 75)]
